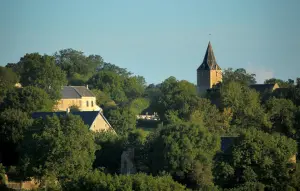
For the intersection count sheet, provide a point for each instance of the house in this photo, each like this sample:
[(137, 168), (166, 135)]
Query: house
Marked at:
[(79, 96), (264, 88), (95, 120)]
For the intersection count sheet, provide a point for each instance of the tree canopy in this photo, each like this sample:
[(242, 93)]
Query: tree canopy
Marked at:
[(58, 148), (41, 71), (256, 157), (186, 152)]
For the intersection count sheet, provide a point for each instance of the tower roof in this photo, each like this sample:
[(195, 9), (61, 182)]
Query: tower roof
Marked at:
[(209, 61)]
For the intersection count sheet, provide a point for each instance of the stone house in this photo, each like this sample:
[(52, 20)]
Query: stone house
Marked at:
[(95, 120), (79, 96)]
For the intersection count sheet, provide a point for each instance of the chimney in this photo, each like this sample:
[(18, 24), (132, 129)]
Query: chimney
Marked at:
[(87, 86), (68, 110)]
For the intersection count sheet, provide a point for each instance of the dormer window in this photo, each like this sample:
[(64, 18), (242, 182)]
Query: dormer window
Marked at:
[(87, 103)]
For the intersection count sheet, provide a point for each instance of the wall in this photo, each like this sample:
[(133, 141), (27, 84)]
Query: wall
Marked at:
[(215, 77), (63, 104), (100, 124), (203, 80)]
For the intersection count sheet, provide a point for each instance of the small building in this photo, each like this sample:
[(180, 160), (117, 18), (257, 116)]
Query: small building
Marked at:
[(264, 88), (95, 120), (79, 96), (209, 73)]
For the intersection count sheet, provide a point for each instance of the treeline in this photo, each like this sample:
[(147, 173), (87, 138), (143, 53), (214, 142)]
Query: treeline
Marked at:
[(183, 152)]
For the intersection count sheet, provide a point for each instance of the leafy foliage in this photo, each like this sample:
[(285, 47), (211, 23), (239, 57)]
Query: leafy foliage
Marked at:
[(7, 80), (41, 71), (122, 119), (74, 63), (239, 75), (256, 157), (97, 180), (13, 124), (186, 152), (110, 150), (282, 114), (245, 106), (28, 99), (58, 148)]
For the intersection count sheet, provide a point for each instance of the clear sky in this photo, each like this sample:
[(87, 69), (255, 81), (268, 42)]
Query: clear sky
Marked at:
[(159, 38)]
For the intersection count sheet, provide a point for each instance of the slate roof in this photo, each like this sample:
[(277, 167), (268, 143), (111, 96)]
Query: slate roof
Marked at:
[(73, 92), (209, 61), (262, 87), (88, 117)]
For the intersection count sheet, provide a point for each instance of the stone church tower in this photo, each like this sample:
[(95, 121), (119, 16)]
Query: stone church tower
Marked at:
[(209, 72)]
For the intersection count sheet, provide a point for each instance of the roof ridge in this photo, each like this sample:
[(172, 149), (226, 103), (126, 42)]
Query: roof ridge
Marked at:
[(77, 91)]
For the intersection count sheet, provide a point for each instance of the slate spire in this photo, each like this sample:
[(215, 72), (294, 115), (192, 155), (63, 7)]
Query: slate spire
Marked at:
[(209, 61)]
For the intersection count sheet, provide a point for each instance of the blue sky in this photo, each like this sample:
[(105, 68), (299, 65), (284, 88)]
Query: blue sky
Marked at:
[(158, 39)]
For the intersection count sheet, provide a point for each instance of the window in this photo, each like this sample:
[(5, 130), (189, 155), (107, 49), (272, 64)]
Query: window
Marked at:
[(92, 103), (87, 103)]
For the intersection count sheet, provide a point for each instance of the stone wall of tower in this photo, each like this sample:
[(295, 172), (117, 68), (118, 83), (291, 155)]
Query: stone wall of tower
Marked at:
[(215, 77), (203, 80)]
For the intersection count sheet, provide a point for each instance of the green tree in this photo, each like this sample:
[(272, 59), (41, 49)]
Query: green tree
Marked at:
[(134, 87), (245, 106), (41, 71), (239, 75), (213, 119), (282, 115), (122, 119), (138, 105), (108, 156), (103, 100), (257, 157), (7, 81), (176, 96), (115, 69), (74, 63), (58, 148), (13, 124), (28, 99), (110, 83), (97, 180), (185, 151), (2, 175)]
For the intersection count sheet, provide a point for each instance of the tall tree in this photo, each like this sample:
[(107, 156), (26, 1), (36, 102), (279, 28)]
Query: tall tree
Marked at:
[(256, 157), (282, 114), (42, 72), (7, 80), (239, 75), (122, 119), (13, 125), (58, 149), (245, 106), (28, 99), (186, 152), (110, 83), (176, 96), (75, 62)]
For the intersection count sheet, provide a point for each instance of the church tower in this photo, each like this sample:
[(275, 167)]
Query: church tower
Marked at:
[(209, 72)]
